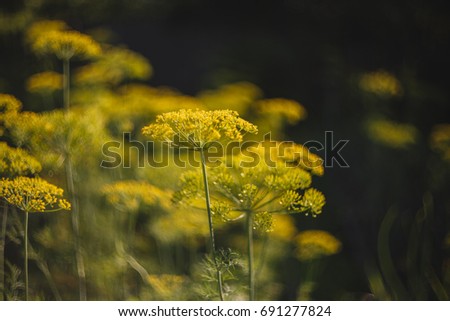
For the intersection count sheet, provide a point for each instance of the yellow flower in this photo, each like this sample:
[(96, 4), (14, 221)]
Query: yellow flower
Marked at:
[(167, 286), (16, 161), (392, 134), (283, 227), (45, 82), (114, 66), (440, 140), (66, 45), (290, 110), (314, 244), (198, 128), (381, 83), (9, 104), (238, 96), (33, 194), (39, 28), (129, 195)]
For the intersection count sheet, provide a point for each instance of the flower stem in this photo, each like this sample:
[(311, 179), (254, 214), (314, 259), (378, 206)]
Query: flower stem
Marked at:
[(251, 279), (2, 250), (71, 189), (211, 229), (26, 255)]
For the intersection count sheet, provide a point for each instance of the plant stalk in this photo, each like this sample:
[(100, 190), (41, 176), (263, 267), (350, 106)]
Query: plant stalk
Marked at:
[(2, 250), (251, 279), (26, 255), (210, 221), (71, 189)]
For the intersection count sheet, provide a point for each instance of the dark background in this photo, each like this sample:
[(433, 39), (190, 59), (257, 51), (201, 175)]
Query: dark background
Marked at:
[(312, 51)]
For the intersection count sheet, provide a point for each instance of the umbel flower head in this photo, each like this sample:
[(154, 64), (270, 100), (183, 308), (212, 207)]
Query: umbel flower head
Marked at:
[(33, 194), (314, 244), (127, 196), (45, 82), (289, 109), (66, 45), (260, 189), (198, 128), (381, 83), (16, 161)]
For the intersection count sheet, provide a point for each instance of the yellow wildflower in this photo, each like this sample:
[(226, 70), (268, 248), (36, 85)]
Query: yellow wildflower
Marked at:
[(33, 194), (283, 227), (45, 82), (238, 96), (381, 83), (314, 244), (289, 109), (440, 140), (66, 45), (197, 128), (16, 161), (129, 195), (9, 104), (114, 66), (392, 134), (41, 27), (167, 286)]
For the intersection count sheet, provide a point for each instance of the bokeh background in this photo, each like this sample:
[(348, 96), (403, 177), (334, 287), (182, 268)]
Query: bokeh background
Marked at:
[(373, 72)]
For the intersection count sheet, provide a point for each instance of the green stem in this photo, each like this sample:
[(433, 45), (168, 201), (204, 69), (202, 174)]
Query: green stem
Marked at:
[(2, 250), (211, 229), (251, 279), (71, 189), (26, 255), (66, 83)]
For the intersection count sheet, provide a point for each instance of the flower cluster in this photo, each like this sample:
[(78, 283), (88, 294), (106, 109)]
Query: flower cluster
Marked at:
[(198, 128), (45, 82), (392, 134), (237, 96), (440, 140), (33, 194), (66, 45), (380, 83), (290, 110), (260, 189), (16, 161), (114, 66), (129, 195), (314, 244)]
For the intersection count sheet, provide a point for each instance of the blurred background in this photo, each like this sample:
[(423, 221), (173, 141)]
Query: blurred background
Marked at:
[(374, 73)]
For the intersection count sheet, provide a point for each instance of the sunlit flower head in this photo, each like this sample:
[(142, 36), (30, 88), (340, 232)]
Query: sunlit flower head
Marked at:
[(33, 194), (41, 27), (289, 109), (16, 161), (283, 227), (167, 286), (45, 82), (198, 128), (392, 134), (9, 104), (381, 83), (114, 66), (314, 244), (66, 45), (127, 196), (237, 96)]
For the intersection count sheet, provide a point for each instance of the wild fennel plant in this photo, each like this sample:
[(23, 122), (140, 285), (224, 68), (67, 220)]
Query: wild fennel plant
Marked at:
[(32, 195), (197, 130)]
